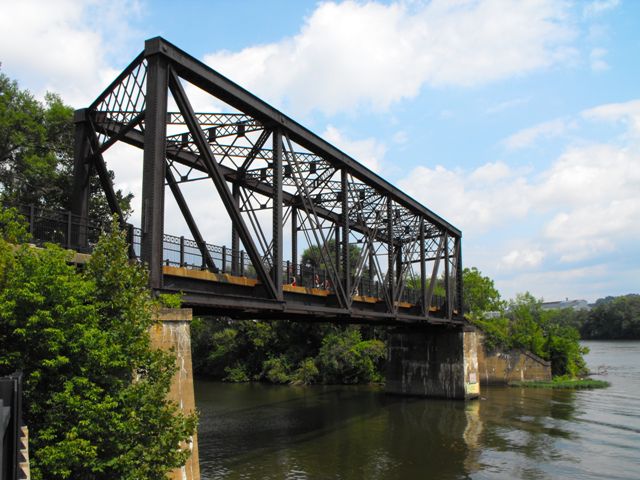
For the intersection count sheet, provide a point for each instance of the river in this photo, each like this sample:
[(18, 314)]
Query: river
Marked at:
[(255, 431)]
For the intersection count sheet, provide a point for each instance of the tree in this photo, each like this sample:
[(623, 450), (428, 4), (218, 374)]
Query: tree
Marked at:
[(312, 256), (36, 154), (346, 358), (95, 391), (479, 293), (614, 318)]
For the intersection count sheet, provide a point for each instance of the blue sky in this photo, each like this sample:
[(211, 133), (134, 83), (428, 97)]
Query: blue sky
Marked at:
[(519, 122)]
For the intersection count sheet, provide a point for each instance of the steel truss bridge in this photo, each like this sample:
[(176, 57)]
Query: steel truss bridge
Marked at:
[(274, 178)]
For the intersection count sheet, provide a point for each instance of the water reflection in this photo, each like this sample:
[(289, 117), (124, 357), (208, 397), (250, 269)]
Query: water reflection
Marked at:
[(258, 431), (268, 432)]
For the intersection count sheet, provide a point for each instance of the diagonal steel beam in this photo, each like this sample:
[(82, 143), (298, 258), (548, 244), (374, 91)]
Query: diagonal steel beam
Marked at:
[(193, 227), (213, 169)]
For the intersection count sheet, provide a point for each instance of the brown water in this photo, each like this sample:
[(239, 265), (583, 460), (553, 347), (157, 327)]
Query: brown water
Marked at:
[(253, 431)]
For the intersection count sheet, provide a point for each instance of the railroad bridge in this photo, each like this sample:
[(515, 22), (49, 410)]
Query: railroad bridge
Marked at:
[(281, 185), (379, 256)]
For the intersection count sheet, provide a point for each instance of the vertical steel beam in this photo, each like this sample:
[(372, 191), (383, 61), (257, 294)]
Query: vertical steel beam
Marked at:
[(390, 255), (81, 176), (294, 238), (447, 273), (337, 255), (459, 284), (346, 267), (277, 212), (399, 272), (153, 170), (235, 238), (423, 272), (372, 262)]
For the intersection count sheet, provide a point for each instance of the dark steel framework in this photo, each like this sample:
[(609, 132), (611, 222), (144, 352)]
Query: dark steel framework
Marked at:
[(260, 160)]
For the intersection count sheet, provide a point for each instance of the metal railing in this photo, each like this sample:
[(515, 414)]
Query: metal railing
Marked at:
[(71, 231)]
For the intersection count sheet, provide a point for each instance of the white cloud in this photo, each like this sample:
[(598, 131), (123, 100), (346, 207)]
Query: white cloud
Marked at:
[(556, 284), (528, 136), (351, 54), (627, 113), (598, 7), (63, 45), (586, 202), (527, 257), (474, 201), (369, 151)]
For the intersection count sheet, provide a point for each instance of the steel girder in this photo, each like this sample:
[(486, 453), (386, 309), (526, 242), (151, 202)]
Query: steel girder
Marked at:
[(258, 159)]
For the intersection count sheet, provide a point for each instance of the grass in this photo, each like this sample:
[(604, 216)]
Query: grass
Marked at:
[(563, 383)]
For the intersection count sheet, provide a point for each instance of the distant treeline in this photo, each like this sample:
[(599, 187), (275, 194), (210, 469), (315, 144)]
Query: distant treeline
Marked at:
[(611, 318)]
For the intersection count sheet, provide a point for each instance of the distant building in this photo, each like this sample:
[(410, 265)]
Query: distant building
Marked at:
[(573, 304)]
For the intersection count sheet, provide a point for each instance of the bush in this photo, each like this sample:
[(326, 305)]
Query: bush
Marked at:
[(345, 358), (276, 370), (307, 372), (236, 374), (95, 390)]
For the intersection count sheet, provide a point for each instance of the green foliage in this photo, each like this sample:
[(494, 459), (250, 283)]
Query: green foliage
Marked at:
[(524, 325), (36, 153), (564, 383), (479, 293), (496, 332), (307, 372), (313, 257), (276, 370), (285, 352), (236, 374), (613, 318), (95, 391), (170, 300), (345, 358)]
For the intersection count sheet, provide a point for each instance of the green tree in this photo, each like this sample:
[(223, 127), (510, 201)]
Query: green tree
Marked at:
[(479, 293), (95, 391), (614, 318), (346, 358), (36, 153), (312, 255)]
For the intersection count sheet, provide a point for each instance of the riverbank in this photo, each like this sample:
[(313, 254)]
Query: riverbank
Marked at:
[(564, 384)]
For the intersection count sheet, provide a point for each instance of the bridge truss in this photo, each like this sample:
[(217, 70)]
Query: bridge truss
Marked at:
[(274, 179)]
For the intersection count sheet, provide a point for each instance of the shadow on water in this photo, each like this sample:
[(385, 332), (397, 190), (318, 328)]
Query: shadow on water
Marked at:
[(261, 431)]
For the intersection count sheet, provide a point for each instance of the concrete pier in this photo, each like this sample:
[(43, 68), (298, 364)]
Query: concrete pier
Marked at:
[(439, 362), (173, 330)]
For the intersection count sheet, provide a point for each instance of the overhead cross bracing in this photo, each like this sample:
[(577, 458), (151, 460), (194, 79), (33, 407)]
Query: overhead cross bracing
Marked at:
[(276, 180)]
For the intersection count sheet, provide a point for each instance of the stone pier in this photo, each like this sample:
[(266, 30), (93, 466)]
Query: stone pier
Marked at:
[(173, 330), (434, 362)]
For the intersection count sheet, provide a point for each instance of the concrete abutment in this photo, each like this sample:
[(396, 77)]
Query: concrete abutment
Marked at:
[(173, 331), (439, 362)]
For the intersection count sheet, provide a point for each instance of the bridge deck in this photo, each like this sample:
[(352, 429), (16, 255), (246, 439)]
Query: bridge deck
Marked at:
[(212, 293)]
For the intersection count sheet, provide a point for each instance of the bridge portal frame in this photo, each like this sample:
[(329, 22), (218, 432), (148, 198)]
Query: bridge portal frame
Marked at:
[(330, 194)]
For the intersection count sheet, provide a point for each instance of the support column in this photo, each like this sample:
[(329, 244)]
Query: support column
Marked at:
[(424, 308), (81, 177), (235, 237), (459, 291), (277, 213), (153, 170), (435, 362), (390, 257), (173, 331), (346, 267), (294, 240)]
